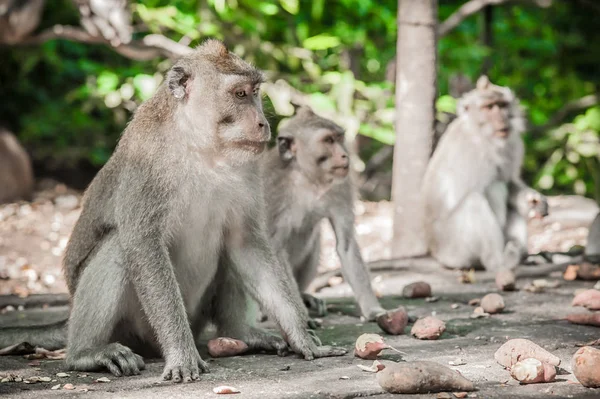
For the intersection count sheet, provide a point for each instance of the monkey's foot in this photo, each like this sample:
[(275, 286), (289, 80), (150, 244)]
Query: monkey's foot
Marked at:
[(185, 366), (324, 351), (258, 339), (315, 305), (117, 358), (371, 314)]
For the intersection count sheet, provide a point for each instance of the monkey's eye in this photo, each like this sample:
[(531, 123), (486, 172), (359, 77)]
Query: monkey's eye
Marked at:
[(328, 140), (255, 92), (240, 93)]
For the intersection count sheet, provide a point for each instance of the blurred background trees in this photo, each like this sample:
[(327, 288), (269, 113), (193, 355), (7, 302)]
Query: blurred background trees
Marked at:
[(67, 91)]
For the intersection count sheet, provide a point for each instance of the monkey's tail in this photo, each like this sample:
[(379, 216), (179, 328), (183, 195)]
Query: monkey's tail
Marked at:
[(49, 336)]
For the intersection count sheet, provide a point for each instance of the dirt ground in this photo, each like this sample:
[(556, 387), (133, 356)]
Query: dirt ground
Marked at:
[(33, 237)]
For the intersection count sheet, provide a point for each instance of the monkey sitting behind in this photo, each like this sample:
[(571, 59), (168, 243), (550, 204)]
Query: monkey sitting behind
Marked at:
[(475, 200), (306, 181), (172, 234)]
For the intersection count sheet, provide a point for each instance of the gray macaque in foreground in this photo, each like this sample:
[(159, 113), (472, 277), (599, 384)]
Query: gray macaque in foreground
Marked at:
[(173, 234), (307, 181), (476, 204)]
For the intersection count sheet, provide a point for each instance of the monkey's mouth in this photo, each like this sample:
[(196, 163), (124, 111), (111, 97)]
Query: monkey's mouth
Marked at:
[(504, 132), (253, 146), (340, 171)]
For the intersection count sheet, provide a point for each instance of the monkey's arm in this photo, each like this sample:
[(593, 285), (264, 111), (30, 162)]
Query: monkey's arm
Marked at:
[(142, 232), (354, 269), (525, 200), (269, 284)]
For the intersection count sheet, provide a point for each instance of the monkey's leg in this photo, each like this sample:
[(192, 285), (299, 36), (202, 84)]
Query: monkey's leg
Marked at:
[(354, 269), (97, 308), (305, 274), (592, 249), (515, 232), (234, 314), (472, 233), (50, 336), (269, 284)]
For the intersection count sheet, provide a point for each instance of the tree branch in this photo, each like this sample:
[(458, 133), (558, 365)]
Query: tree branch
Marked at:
[(473, 7), (573, 106), (151, 46)]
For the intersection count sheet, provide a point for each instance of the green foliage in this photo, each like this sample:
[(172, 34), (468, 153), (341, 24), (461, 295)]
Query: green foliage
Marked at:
[(70, 101)]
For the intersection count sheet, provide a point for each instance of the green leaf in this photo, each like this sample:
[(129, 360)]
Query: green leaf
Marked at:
[(107, 82), (323, 41), (291, 6), (446, 103)]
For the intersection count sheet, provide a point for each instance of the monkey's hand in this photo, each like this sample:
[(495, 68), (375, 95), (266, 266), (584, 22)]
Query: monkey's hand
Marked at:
[(316, 350), (184, 365), (315, 305), (538, 205)]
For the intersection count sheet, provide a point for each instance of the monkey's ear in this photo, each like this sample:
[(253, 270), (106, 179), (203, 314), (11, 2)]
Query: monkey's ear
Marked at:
[(483, 82), (179, 81), (287, 148), (302, 110)]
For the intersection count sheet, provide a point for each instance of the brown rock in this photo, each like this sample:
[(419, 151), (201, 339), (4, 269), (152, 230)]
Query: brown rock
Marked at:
[(586, 366), (419, 289), (492, 303), (428, 328), (394, 321)]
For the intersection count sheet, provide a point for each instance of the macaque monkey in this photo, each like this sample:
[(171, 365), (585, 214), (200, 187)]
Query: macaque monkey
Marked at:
[(173, 232), (16, 173), (306, 181), (476, 203)]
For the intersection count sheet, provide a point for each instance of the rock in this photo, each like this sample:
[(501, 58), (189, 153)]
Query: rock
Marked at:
[(492, 303), (586, 366), (428, 328), (419, 289), (394, 321), (506, 280)]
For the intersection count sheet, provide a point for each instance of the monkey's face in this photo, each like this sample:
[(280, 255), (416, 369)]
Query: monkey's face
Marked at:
[(323, 157), (495, 113), (242, 128)]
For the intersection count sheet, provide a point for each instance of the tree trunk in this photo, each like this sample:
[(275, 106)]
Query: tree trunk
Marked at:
[(416, 90)]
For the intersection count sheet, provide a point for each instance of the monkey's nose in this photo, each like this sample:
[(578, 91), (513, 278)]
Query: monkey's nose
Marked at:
[(261, 124)]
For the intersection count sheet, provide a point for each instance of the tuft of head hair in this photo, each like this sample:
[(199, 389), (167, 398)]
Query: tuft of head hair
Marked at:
[(226, 62), (484, 90), (305, 122)]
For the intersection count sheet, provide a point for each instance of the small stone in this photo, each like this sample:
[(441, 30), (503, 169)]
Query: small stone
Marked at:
[(443, 395), (55, 387), (45, 379), (344, 377), (475, 302), (102, 379), (454, 306), (62, 375), (432, 299), (457, 362), (69, 387)]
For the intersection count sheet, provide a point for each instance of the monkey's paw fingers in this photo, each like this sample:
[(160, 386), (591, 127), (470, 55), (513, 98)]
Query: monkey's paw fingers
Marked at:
[(185, 370), (119, 360), (326, 351), (314, 337), (315, 305), (313, 324)]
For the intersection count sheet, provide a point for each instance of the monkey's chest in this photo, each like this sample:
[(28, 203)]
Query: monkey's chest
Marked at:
[(197, 247)]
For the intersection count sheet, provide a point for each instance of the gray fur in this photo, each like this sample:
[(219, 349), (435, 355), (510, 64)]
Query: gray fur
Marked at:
[(475, 200), (592, 249), (172, 234), (301, 191)]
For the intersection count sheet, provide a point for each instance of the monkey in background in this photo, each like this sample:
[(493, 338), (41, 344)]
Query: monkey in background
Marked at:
[(16, 172), (306, 181), (173, 235), (475, 201)]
